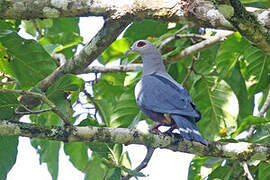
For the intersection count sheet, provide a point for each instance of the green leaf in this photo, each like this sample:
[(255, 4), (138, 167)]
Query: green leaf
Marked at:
[(8, 104), (116, 174), (125, 109), (195, 168), (214, 100), (132, 172), (115, 50), (60, 39), (8, 154), (258, 68), (96, 169), (49, 153), (264, 171), (221, 172), (26, 60), (229, 53), (101, 149), (237, 83), (41, 24), (58, 91), (77, 152), (144, 29), (248, 121)]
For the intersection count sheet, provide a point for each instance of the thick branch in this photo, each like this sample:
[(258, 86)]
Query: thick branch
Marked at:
[(198, 12), (249, 26), (240, 151), (88, 54)]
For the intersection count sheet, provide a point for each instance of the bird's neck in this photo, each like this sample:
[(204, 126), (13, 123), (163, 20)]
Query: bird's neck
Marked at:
[(152, 63)]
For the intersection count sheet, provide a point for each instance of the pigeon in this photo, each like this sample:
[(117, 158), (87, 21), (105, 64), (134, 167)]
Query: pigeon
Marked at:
[(161, 98)]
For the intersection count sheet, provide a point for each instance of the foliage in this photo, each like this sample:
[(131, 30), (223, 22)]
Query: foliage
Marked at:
[(223, 85)]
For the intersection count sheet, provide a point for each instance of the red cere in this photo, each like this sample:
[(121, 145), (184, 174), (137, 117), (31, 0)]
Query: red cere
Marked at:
[(141, 44)]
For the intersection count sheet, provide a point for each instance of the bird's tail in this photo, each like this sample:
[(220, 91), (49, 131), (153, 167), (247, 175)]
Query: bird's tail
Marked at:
[(188, 129)]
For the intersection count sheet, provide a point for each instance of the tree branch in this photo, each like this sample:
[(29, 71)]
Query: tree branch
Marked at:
[(41, 97), (248, 25), (88, 54), (241, 151), (144, 163), (210, 41), (202, 13), (32, 112), (199, 46), (110, 69), (246, 170)]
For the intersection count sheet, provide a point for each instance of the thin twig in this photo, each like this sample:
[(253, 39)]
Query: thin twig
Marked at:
[(37, 28), (169, 39), (199, 46), (191, 36), (260, 114), (144, 163), (246, 170), (191, 68), (33, 112), (41, 97)]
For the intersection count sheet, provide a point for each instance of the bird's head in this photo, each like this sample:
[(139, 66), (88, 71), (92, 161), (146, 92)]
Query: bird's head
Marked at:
[(142, 47)]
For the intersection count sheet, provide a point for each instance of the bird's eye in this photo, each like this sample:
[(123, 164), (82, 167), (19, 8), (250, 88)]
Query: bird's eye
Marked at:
[(141, 44)]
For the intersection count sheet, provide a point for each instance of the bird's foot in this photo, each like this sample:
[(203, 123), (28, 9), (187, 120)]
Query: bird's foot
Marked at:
[(155, 129), (169, 132)]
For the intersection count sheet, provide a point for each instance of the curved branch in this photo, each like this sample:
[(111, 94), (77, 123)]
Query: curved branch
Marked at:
[(242, 151), (88, 54), (144, 163)]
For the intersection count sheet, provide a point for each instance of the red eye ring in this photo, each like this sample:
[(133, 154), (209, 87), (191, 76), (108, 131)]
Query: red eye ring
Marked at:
[(141, 44)]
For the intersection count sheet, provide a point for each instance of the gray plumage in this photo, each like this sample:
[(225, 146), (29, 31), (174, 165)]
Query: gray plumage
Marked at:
[(158, 94)]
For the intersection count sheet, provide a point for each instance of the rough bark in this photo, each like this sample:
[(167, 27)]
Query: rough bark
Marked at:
[(241, 151)]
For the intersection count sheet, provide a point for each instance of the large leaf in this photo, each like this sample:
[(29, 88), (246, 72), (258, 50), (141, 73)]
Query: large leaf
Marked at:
[(115, 51), (237, 83), (58, 91), (60, 39), (8, 154), (195, 168), (258, 67), (77, 152), (229, 53), (222, 172), (125, 110), (8, 104), (96, 169), (217, 104), (49, 153), (25, 60), (264, 171)]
